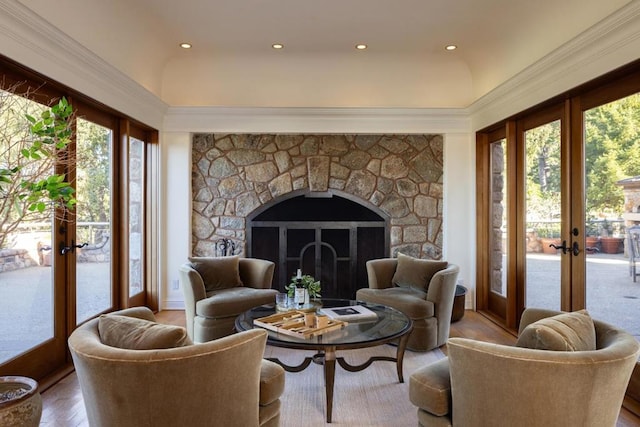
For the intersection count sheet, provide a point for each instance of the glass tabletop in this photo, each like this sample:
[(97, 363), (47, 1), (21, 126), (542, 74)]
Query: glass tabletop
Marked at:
[(388, 325)]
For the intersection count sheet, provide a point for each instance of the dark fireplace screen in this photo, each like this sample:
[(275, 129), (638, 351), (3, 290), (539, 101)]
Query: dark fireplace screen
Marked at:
[(330, 238)]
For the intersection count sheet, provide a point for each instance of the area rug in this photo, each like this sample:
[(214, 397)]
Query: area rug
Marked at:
[(372, 397)]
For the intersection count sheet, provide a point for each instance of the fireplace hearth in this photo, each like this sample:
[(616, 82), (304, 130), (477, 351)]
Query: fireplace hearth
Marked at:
[(328, 237)]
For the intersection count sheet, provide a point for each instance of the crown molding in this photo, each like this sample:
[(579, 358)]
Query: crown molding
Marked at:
[(317, 120), (32, 41), (609, 44)]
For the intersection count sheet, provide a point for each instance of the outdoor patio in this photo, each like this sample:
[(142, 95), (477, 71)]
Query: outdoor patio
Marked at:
[(26, 305), (612, 295)]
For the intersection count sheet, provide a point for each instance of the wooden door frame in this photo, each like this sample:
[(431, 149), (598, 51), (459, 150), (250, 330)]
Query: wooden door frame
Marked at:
[(608, 88)]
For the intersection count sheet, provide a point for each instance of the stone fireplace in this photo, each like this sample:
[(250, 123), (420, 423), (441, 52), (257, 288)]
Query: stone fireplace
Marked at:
[(323, 203)]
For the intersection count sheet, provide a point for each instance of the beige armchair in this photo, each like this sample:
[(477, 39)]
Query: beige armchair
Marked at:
[(223, 382), (484, 384), (217, 290), (424, 290)]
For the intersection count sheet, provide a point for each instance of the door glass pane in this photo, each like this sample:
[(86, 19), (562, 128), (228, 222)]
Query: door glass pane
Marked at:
[(612, 168), (499, 217), (93, 192), (136, 217), (543, 209), (26, 279)]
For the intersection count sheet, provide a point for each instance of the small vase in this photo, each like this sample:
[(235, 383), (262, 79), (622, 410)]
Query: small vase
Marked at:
[(20, 402)]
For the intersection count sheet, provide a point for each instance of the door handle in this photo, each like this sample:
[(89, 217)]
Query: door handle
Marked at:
[(563, 246), (574, 249), (66, 249)]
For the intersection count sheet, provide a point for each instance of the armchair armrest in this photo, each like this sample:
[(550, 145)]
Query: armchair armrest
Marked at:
[(442, 288), (194, 291), (256, 273), (442, 292), (380, 272)]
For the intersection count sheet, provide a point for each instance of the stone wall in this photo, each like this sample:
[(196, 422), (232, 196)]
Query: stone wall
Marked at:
[(631, 192), (497, 212), (15, 259), (232, 175)]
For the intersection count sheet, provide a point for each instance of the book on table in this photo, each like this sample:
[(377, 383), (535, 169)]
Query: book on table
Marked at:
[(350, 313)]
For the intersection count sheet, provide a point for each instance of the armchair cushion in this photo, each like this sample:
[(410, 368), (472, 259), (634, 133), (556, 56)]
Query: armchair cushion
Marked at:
[(410, 301), (218, 273), (573, 331), (415, 273), (139, 334), (232, 302)]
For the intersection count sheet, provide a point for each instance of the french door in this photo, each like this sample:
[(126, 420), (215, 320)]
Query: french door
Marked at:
[(64, 275), (61, 268), (547, 179), (526, 207)]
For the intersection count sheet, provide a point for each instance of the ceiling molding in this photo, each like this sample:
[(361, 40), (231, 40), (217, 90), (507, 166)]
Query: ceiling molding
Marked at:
[(34, 42), (610, 44), (317, 120), (29, 39)]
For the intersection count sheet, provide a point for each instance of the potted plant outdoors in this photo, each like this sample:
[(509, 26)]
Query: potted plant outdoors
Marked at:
[(610, 244), (549, 237), (592, 241)]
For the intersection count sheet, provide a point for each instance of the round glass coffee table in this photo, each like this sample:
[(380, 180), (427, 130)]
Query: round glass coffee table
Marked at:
[(389, 326)]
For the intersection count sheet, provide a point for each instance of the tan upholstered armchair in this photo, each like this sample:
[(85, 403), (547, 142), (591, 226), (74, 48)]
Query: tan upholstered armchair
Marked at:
[(223, 382), (217, 290), (483, 384), (424, 290)]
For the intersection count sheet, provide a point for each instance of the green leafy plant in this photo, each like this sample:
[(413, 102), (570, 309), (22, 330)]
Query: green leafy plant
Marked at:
[(52, 133), (34, 141), (308, 282), (49, 135)]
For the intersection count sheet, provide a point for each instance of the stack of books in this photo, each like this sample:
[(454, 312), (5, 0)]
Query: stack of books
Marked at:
[(350, 313)]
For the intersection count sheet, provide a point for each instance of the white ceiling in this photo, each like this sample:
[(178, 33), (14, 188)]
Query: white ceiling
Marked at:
[(232, 62)]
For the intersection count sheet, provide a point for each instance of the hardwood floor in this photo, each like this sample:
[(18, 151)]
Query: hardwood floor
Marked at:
[(63, 405)]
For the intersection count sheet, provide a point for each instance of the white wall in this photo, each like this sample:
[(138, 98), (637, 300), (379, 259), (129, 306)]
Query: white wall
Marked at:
[(460, 209), (175, 206), (459, 171)]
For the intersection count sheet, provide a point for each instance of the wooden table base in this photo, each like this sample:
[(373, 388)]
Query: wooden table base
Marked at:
[(327, 358)]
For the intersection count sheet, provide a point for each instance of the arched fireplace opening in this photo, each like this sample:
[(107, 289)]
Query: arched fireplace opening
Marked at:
[(327, 236)]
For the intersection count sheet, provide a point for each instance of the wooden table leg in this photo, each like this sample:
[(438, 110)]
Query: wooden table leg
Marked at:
[(329, 377), (402, 345)]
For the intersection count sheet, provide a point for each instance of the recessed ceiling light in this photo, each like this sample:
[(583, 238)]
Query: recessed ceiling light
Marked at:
[(451, 47), (185, 45), (361, 46), (277, 46)]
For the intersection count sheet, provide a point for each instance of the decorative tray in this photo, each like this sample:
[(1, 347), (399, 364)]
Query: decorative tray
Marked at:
[(293, 323)]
